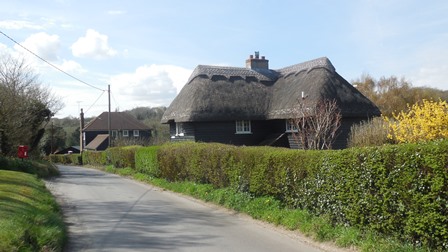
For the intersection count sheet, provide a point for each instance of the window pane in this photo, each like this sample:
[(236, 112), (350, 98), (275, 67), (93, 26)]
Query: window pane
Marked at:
[(243, 126)]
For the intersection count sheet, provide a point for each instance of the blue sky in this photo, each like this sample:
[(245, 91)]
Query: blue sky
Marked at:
[(146, 50)]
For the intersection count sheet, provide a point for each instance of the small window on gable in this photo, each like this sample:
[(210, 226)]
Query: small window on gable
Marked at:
[(180, 129), (243, 127), (125, 133), (290, 126), (136, 133)]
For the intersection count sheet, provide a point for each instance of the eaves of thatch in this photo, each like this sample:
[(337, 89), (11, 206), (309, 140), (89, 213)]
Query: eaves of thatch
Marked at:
[(215, 93)]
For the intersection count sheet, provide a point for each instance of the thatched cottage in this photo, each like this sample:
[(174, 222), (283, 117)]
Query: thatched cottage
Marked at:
[(253, 105)]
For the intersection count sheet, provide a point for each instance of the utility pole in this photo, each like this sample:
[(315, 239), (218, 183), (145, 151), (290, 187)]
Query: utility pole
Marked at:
[(81, 135), (108, 118), (52, 133)]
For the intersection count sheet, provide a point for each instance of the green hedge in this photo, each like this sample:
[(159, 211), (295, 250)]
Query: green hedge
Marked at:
[(66, 159), (399, 190), (146, 160), (121, 157), (96, 158)]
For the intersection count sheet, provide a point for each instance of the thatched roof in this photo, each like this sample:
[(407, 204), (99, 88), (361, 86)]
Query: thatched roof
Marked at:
[(118, 121), (216, 93)]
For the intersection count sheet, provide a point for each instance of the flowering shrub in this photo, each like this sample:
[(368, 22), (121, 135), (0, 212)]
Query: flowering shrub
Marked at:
[(423, 122)]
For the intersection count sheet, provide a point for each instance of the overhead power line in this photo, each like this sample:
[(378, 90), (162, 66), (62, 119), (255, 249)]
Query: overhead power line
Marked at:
[(52, 65), (95, 101)]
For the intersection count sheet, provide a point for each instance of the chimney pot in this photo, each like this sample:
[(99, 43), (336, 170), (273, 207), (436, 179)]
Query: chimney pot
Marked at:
[(257, 62)]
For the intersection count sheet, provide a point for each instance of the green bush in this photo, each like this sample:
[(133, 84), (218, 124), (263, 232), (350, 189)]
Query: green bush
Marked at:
[(146, 160), (75, 159), (40, 168), (369, 133)]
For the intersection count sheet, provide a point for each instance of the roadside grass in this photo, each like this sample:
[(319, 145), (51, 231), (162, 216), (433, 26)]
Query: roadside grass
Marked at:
[(30, 219), (271, 210)]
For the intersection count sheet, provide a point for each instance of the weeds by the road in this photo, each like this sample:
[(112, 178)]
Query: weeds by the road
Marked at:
[(40, 168), (29, 216), (270, 210)]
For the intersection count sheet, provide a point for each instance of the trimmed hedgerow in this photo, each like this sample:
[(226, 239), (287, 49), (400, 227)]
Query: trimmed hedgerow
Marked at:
[(121, 157), (66, 159), (146, 160), (97, 158), (397, 190)]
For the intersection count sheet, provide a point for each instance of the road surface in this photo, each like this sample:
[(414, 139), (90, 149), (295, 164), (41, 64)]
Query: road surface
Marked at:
[(105, 212)]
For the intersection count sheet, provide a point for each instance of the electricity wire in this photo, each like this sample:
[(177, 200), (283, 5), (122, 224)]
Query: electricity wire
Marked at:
[(95, 101), (52, 65)]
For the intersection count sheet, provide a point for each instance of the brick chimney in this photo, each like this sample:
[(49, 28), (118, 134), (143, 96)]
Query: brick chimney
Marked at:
[(256, 62)]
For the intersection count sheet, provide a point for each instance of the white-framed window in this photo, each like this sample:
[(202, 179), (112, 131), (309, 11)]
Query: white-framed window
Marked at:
[(136, 133), (290, 126), (125, 133), (180, 129), (114, 133), (243, 127)]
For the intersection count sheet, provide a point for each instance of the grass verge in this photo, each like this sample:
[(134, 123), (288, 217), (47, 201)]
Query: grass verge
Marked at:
[(30, 219), (271, 210)]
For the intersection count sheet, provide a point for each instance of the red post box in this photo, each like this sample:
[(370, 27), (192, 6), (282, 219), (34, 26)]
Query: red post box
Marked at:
[(22, 152)]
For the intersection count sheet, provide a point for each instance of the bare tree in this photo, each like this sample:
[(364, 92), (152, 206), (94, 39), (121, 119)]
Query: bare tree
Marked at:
[(25, 105), (393, 94), (316, 124)]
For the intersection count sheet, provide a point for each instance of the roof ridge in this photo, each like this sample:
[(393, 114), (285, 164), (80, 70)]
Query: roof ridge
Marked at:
[(230, 71), (117, 117), (322, 62)]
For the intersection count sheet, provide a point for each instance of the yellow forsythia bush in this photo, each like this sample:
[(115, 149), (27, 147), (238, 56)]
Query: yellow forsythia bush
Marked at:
[(424, 121)]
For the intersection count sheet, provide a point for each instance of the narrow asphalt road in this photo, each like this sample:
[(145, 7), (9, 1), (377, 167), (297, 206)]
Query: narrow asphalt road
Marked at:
[(105, 212)]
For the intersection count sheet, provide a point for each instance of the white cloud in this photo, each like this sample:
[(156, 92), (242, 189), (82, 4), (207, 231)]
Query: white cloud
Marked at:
[(152, 85), (71, 66), (19, 24), (93, 45), (42, 44)]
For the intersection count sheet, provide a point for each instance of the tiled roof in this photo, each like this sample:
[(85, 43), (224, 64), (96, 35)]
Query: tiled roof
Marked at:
[(97, 141), (119, 121)]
